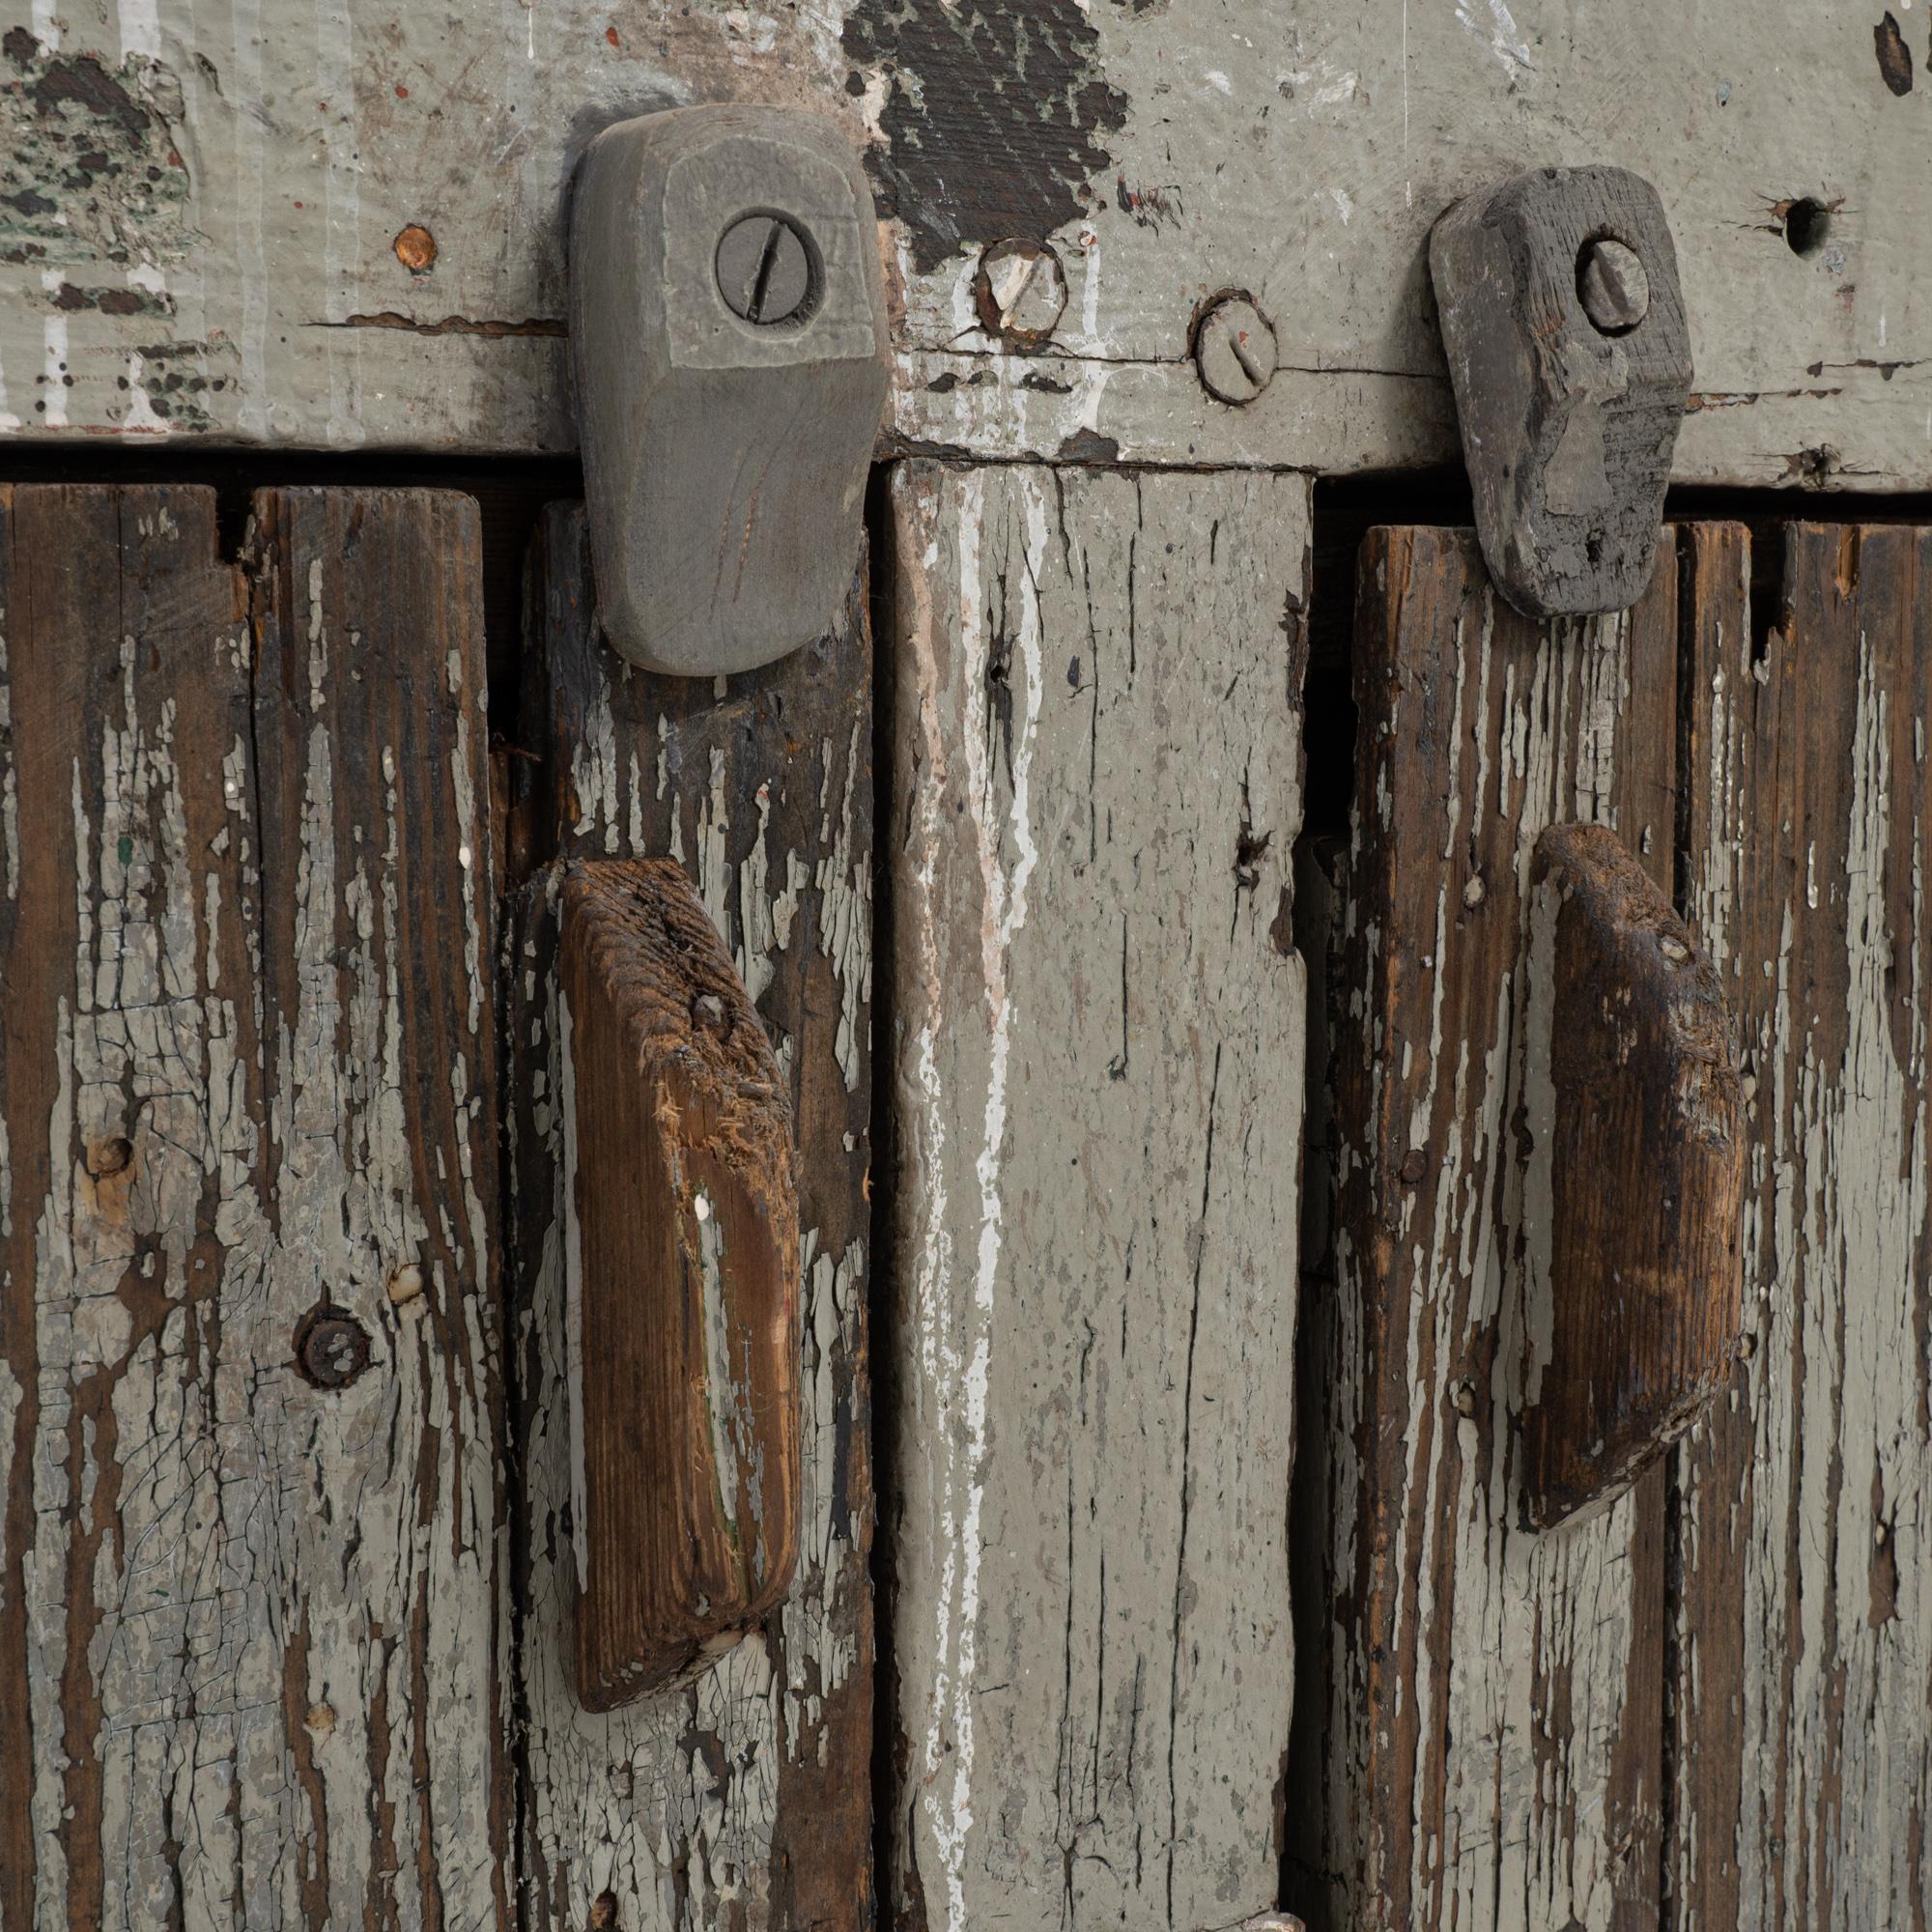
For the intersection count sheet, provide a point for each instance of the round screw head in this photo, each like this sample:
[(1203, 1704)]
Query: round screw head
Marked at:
[(1612, 286), (1020, 291), (764, 268), (1235, 350), (331, 1346)]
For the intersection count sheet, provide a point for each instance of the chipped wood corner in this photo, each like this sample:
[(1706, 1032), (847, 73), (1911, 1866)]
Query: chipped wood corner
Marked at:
[(683, 1253), (1633, 1201)]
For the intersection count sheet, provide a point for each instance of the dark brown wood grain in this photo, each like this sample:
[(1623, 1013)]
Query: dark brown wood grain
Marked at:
[(111, 601), (1640, 1162), (1802, 1704), (686, 1225), (763, 794), (246, 1594), (1488, 1702), (378, 1011)]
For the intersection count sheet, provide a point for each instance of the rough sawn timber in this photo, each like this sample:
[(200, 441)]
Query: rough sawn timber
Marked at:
[(247, 1657), (1805, 1629), (1097, 1064), (1493, 1699), (742, 1800), (332, 225)]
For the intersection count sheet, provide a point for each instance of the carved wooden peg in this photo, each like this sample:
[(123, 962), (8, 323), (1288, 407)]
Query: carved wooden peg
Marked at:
[(1635, 1114), (1570, 355), (682, 1281)]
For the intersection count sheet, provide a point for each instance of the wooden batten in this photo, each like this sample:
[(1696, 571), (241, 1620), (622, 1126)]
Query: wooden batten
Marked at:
[(741, 1797), (1489, 1700)]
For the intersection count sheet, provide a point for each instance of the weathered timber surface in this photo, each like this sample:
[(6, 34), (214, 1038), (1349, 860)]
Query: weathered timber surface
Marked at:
[(339, 225), (1804, 1631), (1099, 1062), (1635, 1113), (246, 1668), (1492, 1698), (743, 1800), (682, 1284)]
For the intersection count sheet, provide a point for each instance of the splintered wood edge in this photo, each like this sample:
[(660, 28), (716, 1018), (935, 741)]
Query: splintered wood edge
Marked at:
[(683, 1061), (1638, 1169)]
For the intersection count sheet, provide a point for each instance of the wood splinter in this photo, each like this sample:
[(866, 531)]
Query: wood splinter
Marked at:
[(682, 1285), (1636, 1112)]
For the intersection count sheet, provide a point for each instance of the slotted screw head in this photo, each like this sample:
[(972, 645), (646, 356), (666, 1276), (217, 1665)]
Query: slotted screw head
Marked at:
[(1614, 287), (1020, 291), (764, 269), (1235, 350)]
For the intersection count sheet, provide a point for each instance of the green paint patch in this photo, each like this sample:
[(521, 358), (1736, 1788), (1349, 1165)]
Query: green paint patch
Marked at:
[(91, 170)]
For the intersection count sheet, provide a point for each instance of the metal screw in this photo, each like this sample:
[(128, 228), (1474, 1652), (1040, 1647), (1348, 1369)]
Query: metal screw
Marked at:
[(331, 1346), (764, 269), (1020, 291), (1235, 350), (1614, 287)]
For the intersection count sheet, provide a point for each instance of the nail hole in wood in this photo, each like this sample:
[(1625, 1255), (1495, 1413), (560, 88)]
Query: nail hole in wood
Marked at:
[(1806, 225), (112, 1154)]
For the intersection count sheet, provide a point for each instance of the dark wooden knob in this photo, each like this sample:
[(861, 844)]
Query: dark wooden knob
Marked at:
[(1634, 1110), (683, 1303)]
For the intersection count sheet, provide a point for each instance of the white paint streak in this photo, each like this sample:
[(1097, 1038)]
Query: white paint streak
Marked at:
[(140, 28), (1499, 31)]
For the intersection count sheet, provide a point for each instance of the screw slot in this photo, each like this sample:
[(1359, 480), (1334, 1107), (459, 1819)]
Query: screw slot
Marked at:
[(768, 272)]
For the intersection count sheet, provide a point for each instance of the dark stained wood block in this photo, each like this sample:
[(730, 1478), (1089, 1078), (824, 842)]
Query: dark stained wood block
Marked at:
[(1635, 1115), (683, 1283)]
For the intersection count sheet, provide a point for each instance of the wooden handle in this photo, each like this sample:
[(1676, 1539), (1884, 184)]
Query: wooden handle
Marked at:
[(1635, 1114), (683, 1290)]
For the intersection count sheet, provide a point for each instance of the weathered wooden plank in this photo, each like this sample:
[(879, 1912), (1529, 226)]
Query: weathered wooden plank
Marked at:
[(342, 225), (1097, 1056), (247, 1593), (381, 1158), (1805, 1629), (744, 1799), (1492, 1735)]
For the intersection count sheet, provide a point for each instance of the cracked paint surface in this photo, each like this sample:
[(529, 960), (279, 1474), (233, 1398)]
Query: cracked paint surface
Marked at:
[(1099, 1070)]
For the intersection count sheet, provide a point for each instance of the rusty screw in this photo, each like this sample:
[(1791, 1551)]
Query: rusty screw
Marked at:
[(415, 248), (331, 1346), (1233, 349), (764, 268), (1612, 286), (1020, 291)]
